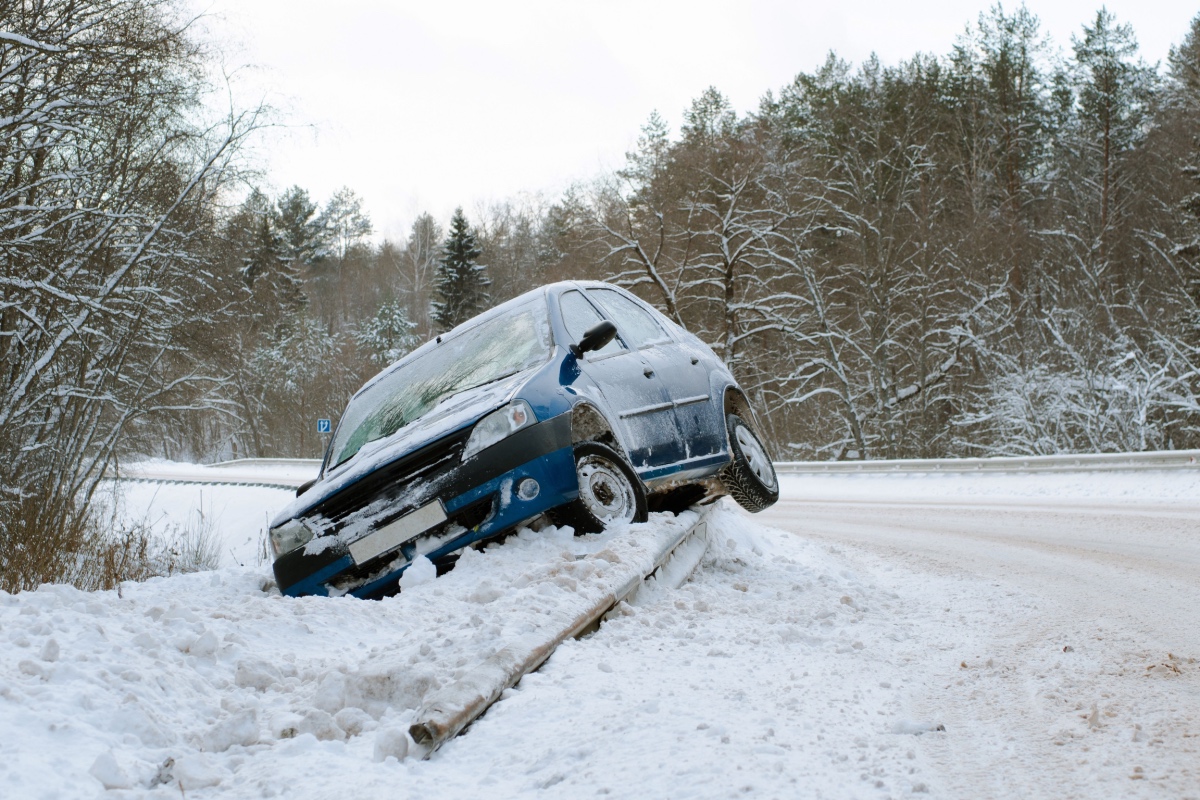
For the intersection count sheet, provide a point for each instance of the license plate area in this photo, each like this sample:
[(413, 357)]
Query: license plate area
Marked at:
[(397, 532)]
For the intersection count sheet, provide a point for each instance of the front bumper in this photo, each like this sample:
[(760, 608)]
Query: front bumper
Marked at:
[(481, 493)]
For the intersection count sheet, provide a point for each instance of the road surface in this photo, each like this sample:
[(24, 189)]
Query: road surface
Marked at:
[(1081, 624)]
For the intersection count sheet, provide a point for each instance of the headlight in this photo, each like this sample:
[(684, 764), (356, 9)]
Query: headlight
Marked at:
[(288, 536), (498, 425)]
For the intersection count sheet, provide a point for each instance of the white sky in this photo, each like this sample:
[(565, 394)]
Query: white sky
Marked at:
[(425, 106)]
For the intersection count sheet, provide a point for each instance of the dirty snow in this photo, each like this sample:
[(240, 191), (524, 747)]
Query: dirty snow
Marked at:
[(840, 662)]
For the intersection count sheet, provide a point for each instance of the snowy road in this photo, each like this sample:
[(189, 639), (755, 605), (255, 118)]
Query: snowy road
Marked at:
[(1077, 623)]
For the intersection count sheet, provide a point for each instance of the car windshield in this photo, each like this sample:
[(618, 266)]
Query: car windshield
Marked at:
[(495, 349)]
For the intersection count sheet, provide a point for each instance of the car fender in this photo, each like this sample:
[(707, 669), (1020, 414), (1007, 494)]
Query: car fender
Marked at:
[(736, 402), (562, 387)]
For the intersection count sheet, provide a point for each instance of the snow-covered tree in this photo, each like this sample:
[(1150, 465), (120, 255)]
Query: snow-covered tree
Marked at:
[(418, 268), (110, 172), (300, 373), (389, 335), (271, 277), (462, 284), (1114, 95), (306, 239), (344, 220)]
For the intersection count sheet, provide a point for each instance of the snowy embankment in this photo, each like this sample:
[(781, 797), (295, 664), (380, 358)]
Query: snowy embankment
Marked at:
[(788, 666), (178, 680), (214, 680)]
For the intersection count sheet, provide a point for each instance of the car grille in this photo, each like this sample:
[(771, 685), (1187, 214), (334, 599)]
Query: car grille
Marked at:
[(386, 488), (467, 518)]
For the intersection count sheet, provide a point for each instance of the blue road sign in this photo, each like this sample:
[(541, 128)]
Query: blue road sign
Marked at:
[(324, 426)]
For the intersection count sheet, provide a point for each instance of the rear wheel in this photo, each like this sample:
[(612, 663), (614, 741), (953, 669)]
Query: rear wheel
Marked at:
[(609, 491), (750, 477)]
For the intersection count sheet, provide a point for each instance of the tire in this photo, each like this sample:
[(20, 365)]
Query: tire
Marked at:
[(609, 491), (750, 477)]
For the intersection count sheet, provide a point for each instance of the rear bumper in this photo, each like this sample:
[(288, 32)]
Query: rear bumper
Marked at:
[(542, 452)]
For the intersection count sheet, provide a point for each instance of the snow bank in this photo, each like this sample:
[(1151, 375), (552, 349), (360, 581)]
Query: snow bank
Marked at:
[(771, 670), (178, 682), (777, 671)]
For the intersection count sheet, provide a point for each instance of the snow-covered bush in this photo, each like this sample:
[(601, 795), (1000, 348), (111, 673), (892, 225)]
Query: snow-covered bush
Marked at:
[(389, 335)]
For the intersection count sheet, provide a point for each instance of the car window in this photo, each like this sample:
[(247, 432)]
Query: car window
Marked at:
[(634, 321), (495, 349), (579, 315)]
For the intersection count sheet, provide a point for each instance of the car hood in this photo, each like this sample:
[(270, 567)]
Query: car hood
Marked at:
[(452, 414)]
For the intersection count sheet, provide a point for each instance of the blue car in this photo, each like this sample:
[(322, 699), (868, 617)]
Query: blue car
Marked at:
[(575, 402)]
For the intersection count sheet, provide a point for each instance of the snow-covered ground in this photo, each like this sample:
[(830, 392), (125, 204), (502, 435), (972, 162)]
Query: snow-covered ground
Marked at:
[(1057, 648), (235, 517)]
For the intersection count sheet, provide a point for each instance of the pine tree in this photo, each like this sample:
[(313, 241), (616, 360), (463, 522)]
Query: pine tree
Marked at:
[(1114, 99), (1011, 50), (273, 278), (305, 239), (650, 160), (1183, 100), (710, 118), (462, 284), (389, 335), (344, 221)]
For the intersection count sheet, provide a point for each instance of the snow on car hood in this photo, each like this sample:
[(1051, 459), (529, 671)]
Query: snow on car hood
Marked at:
[(452, 414)]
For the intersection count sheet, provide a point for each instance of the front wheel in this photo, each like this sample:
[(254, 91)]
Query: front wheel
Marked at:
[(750, 478), (609, 491)]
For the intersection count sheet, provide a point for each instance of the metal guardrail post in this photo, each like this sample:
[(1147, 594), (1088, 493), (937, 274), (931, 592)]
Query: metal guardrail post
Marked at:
[(456, 706)]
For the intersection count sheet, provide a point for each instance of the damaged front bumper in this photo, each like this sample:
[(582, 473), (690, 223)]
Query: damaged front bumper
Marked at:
[(506, 484)]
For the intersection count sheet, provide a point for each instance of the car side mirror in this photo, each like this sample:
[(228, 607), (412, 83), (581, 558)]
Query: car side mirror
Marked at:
[(304, 487), (595, 338)]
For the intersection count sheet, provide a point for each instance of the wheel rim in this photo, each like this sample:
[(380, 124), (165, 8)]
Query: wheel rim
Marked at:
[(756, 457), (605, 490)]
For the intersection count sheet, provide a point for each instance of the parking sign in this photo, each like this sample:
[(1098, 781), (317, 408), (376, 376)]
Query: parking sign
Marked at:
[(324, 426)]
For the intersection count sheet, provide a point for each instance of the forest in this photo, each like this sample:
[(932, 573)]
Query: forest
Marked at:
[(990, 251)]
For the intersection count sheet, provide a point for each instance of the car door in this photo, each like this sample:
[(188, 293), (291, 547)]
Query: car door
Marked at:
[(634, 392), (684, 374)]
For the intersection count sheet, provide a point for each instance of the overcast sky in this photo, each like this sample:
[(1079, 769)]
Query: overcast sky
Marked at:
[(428, 105)]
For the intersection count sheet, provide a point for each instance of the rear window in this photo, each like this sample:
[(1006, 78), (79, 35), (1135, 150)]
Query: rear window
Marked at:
[(494, 349)]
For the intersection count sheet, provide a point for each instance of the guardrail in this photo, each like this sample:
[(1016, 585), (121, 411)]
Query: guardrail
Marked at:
[(450, 709), (1086, 462), (271, 472), (303, 463)]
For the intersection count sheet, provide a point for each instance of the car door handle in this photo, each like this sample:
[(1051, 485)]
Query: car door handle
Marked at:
[(649, 373)]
